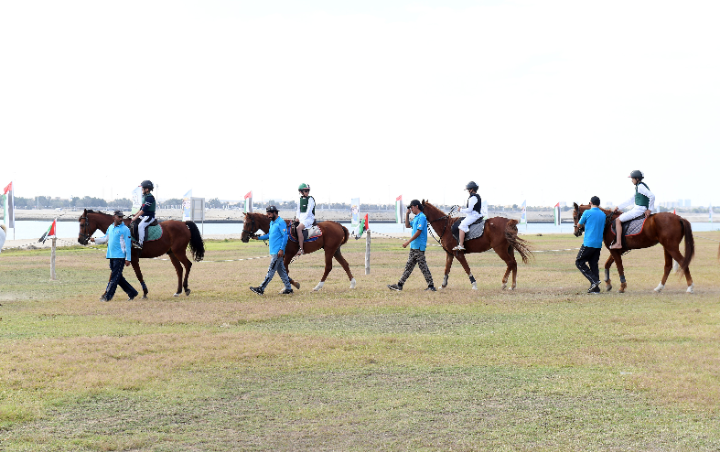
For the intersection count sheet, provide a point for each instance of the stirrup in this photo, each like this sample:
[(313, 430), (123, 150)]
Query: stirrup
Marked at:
[(459, 248)]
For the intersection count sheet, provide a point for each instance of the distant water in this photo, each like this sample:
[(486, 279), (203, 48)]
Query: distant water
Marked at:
[(34, 229)]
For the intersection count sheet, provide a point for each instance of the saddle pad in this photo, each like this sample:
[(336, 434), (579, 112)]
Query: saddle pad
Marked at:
[(632, 227), (309, 234), (476, 229), (152, 233)]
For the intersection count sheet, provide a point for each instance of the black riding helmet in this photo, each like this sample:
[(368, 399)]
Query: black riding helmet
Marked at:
[(147, 184), (269, 209), (637, 174), (471, 186)]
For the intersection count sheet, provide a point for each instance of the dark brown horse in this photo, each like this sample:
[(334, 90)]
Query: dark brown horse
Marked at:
[(500, 235), (174, 241), (334, 235), (664, 228)]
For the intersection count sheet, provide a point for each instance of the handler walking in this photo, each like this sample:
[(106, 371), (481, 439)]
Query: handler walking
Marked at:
[(278, 236), (417, 243), (119, 252), (589, 255)]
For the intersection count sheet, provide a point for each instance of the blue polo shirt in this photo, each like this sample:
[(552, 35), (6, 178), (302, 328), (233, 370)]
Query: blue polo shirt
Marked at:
[(594, 221), (419, 223), (118, 242), (278, 235)]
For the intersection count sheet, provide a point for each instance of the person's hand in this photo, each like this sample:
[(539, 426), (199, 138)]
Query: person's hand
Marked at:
[(280, 253), (647, 213), (92, 239), (406, 244), (127, 263)]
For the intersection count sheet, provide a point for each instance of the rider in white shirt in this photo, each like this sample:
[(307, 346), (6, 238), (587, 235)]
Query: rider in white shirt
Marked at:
[(305, 214), (643, 203), (472, 211)]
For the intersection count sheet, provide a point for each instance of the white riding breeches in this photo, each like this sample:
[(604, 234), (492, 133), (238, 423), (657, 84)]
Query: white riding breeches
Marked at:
[(307, 220), (142, 226), (470, 219), (632, 214)]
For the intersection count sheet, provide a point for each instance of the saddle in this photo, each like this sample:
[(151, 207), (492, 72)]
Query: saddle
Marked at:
[(630, 227), (309, 234), (476, 229), (153, 231)]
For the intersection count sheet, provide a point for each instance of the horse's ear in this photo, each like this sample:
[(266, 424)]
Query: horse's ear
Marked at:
[(575, 206)]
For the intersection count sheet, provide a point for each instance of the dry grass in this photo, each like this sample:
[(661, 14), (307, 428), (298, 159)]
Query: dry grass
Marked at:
[(545, 367)]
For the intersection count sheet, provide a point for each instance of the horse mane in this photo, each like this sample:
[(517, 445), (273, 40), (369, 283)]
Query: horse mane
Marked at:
[(425, 203)]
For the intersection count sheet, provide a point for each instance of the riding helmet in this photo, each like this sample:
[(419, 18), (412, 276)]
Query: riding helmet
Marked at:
[(147, 184), (471, 185), (637, 174), (303, 187), (269, 209)]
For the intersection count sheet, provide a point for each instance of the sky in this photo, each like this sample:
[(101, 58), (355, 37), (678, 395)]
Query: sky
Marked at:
[(539, 101)]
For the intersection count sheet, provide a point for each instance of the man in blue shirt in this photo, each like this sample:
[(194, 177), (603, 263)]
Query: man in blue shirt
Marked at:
[(417, 243), (589, 255), (278, 236), (119, 252)]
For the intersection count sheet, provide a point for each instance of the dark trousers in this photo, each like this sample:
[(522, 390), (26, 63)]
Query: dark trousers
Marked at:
[(277, 264), (117, 278), (416, 257), (587, 262)]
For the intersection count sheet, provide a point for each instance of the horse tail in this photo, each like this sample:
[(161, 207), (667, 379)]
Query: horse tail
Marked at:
[(197, 246), (520, 245), (689, 244), (347, 235)]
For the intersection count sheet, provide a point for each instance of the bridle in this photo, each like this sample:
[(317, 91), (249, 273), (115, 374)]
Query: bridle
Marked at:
[(444, 217), (84, 234)]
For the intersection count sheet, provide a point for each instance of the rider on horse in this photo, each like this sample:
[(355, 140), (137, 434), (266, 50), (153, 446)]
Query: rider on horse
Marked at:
[(305, 214), (472, 211), (644, 203), (146, 212)]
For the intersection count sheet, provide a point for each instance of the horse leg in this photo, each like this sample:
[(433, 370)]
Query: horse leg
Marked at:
[(339, 257), (464, 263), (509, 259), (608, 264), (675, 254), (621, 270), (666, 271), (178, 270), (188, 265), (448, 263), (138, 273), (328, 267)]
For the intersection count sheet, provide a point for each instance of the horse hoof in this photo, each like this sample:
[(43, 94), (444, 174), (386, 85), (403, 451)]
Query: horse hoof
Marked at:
[(623, 286), (504, 286), (474, 286), (296, 284), (608, 287), (690, 288), (318, 287), (513, 287), (353, 283), (659, 288), (187, 292)]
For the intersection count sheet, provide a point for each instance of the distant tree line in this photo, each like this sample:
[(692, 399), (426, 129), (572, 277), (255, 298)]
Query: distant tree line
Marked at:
[(47, 202)]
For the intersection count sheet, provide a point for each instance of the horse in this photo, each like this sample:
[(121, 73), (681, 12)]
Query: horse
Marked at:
[(664, 228), (174, 241), (500, 235), (334, 235)]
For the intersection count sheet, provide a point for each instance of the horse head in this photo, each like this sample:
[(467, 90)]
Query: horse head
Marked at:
[(577, 214), (89, 223), (250, 227)]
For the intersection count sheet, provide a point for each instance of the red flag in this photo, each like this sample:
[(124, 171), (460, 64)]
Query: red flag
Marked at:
[(50, 232), (8, 188), (367, 222), (249, 195), (674, 212)]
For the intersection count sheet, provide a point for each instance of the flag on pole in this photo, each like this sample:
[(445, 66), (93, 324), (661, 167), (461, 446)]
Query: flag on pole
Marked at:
[(523, 213), (9, 206), (557, 214), (711, 212), (248, 202), (674, 212), (50, 233), (187, 206), (399, 216)]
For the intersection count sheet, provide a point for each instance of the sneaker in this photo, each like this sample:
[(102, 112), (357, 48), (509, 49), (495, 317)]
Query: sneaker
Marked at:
[(431, 289), (595, 288), (459, 248), (286, 292), (396, 287), (131, 298), (257, 290)]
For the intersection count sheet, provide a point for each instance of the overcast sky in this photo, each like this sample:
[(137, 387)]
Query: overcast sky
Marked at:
[(545, 101)]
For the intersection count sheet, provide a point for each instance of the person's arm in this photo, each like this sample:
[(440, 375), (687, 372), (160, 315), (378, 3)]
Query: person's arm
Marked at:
[(100, 240), (126, 241), (625, 204), (584, 217), (651, 205), (407, 219), (416, 235), (471, 205), (284, 232)]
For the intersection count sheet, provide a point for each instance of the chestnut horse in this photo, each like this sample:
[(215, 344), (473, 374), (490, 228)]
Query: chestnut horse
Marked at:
[(174, 241), (333, 236), (664, 228), (500, 235)]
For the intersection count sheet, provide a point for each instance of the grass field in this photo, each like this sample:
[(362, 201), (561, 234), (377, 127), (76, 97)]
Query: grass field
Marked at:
[(545, 367)]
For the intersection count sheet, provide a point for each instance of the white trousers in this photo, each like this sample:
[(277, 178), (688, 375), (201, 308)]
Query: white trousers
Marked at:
[(470, 219), (142, 226), (632, 214)]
